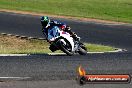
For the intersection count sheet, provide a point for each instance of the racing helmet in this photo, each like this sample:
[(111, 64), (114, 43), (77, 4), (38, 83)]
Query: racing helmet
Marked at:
[(45, 21)]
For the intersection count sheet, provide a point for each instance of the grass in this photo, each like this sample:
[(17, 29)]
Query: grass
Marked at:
[(13, 45), (115, 10)]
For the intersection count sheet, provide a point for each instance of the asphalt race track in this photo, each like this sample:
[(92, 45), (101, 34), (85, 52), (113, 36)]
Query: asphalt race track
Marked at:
[(59, 71)]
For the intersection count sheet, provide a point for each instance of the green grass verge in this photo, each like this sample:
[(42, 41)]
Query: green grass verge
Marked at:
[(116, 10), (13, 45)]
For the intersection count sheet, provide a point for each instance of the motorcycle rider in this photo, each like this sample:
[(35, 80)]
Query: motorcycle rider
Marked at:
[(49, 29)]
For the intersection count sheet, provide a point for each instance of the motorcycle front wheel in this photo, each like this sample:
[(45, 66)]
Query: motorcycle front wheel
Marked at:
[(66, 48)]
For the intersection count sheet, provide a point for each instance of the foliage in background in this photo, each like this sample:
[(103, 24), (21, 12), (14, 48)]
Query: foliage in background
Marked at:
[(117, 10), (13, 45)]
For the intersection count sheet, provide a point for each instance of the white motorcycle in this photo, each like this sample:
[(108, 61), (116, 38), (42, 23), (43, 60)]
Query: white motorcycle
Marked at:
[(67, 44)]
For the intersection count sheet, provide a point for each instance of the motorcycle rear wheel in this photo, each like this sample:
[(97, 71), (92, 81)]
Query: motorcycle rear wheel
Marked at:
[(82, 51)]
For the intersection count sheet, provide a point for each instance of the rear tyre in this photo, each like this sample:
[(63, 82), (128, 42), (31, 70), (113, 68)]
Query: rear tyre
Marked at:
[(82, 51)]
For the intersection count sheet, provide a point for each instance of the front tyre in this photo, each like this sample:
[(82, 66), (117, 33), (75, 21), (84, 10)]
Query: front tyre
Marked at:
[(66, 48)]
